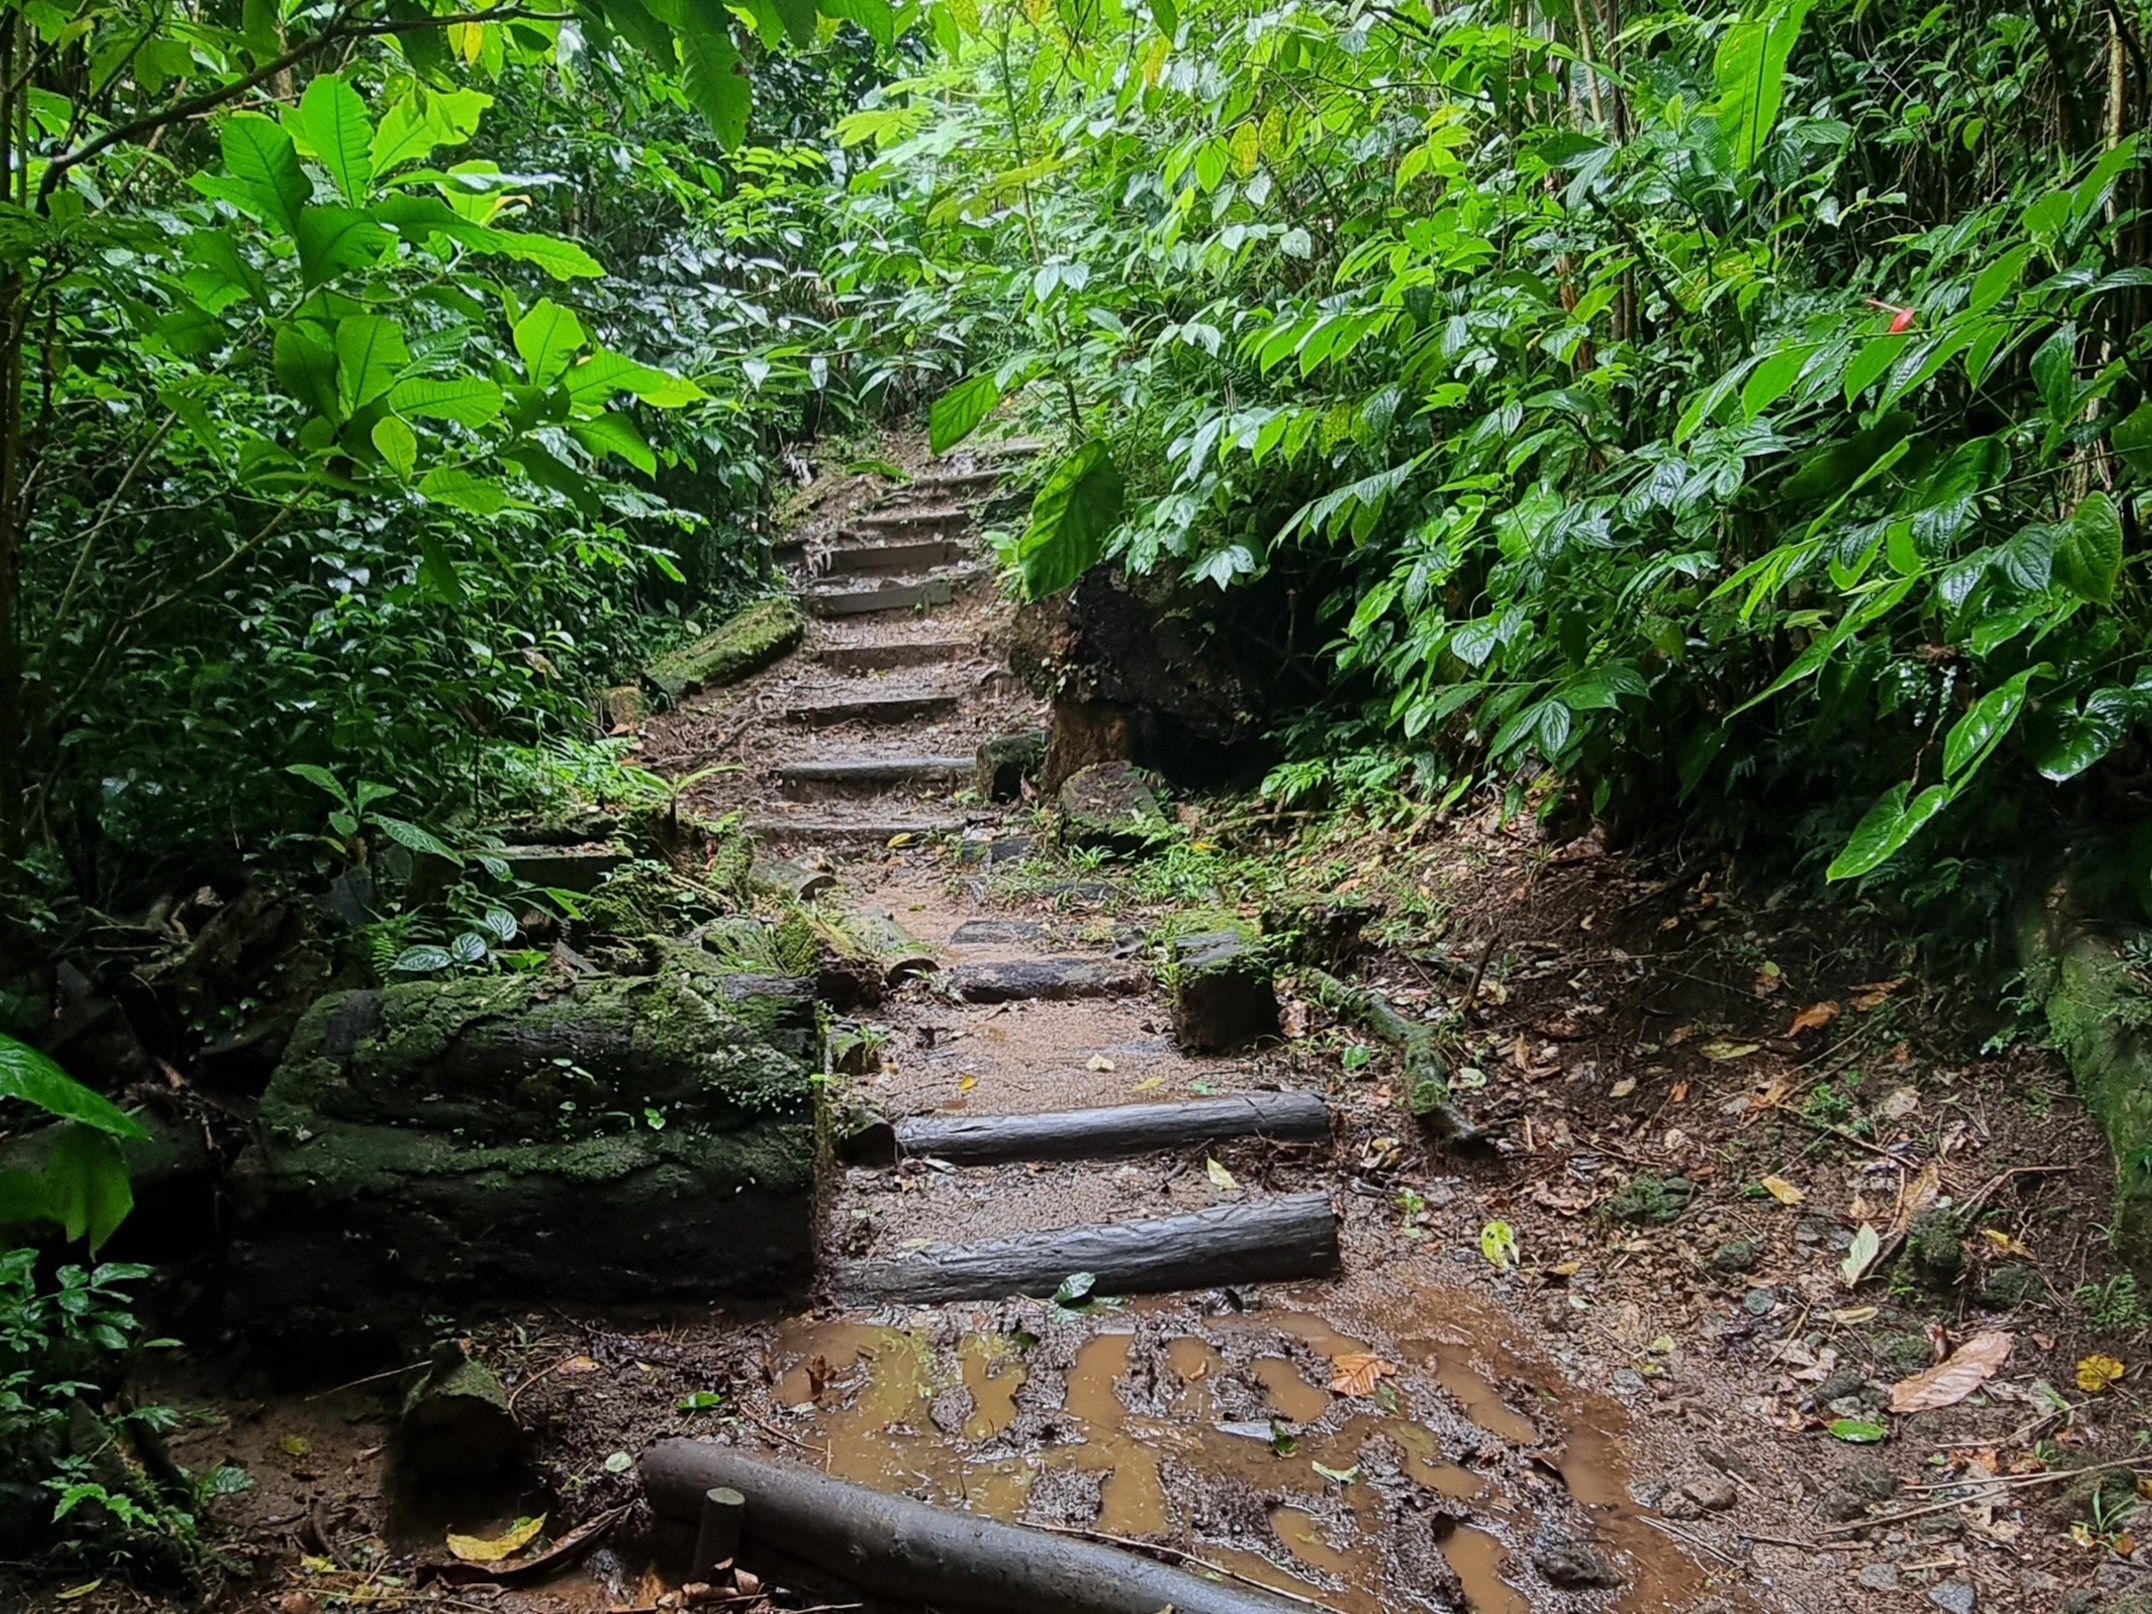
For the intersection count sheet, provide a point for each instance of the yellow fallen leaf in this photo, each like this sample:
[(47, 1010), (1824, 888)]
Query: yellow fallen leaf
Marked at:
[(293, 1445), (1220, 1176), (1726, 1052), (1358, 1372), (83, 1590), (1149, 1084), (1098, 1062), (492, 1549), (2096, 1372), (1847, 1315), (966, 1082), (904, 839), (579, 1364), (2003, 1241), (1783, 1191)]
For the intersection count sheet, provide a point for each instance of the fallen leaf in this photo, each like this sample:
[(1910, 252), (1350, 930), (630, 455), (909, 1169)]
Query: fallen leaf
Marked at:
[(966, 1082), (1900, 1102), (84, 1590), (1783, 1191), (1769, 978), (1498, 1243), (2095, 1373), (1861, 1255), (1220, 1176), (1358, 1372), (1149, 1084), (2004, 1242), (1622, 1088), (492, 1549), (619, 1462), (1846, 1316), (293, 1445), (1098, 1062), (1814, 1018), (1726, 1052), (1918, 1195), (1954, 1378), (579, 1364), (1872, 995), (1344, 1476), (1858, 1430), (904, 839)]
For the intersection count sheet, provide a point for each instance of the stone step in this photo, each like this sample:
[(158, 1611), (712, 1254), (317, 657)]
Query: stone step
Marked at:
[(893, 655), (891, 594), (914, 521), (898, 706), (1045, 979), (897, 555), (848, 775), (949, 485), (849, 831)]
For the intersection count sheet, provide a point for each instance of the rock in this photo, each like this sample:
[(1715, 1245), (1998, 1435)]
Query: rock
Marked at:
[(1319, 928), (1863, 1483), (1953, 1596), (624, 708), (456, 1422), (2087, 1598), (1109, 806), (563, 868), (1935, 1248), (1648, 1198), (1711, 1490), (1759, 1301), (997, 933), (1879, 1577), (2009, 1285), (1223, 996), (1006, 761), (1569, 1564), (1846, 1381), (437, 1144), (1735, 1255), (744, 644)]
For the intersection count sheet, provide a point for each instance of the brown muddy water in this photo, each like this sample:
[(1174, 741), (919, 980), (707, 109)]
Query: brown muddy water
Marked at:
[(1224, 1436)]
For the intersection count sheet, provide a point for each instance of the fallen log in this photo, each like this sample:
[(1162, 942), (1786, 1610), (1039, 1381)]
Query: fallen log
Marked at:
[(1101, 1134), (1265, 1241), (898, 1548), (1427, 1082)]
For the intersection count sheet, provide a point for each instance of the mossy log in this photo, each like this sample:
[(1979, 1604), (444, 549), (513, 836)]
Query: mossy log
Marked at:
[(436, 1144), (892, 1546), (1427, 1085), (743, 644)]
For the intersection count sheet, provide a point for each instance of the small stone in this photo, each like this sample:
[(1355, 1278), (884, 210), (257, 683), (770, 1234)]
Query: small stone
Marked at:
[(1952, 1596), (1847, 1381), (2009, 1285), (1864, 1482), (1759, 1301), (1569, 1564), (1109, 806), (1711, 1490), (1735, 1255), (1879, 1577)]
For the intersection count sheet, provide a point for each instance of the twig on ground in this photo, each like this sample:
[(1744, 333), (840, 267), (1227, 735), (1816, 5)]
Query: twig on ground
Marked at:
[(1178, 1556)]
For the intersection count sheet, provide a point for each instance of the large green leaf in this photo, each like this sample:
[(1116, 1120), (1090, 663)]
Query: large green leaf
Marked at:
[(956, 413), (421, 121), (1751, 72), (2088, 550), (548, 338), (799, 19), (336, 240), (2085, 736), (306, 368), (397, 444), (332, 120), (36, 1079), (597, 380), (2132, 438), (467, 400), (1889, 824), (878, 17), (453, 485), (711, 70), (1071, 517), (260, 155), (86, 1183), (1974, 737), (617, 434), (370, 354)]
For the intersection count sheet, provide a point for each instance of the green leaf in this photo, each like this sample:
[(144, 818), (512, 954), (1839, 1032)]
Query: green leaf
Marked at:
[(956, 413), (2086, 735), (261, 156), (467, 400), (597, 380), (423, 960), (2088, 551), (548, 338), (437, 573), (617, 434), (799, 19), (370, 352), (398, 444), (2054, 373), (877, 17), (453, 485), (1889, 824), (36, 1079), (415, 839), (420, 122), (332, 120), (334, 240), (1860, 1431), (306, 369), (711, 71), (2132, 438), (1974, 737), (563, 260), (1751, 74), (1075, 1289), (1071, 517), (86, 1179), (1768, 382)]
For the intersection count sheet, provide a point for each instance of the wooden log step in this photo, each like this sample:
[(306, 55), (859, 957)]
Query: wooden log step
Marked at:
[(849, 831), (865, 559), (895, 1547), (1048, 979), (788, 878), (848, 774), (891, 708), (949, 485), (891, 594), (1278, 1240), (1108, 1133), (893, 656), (914, 521)]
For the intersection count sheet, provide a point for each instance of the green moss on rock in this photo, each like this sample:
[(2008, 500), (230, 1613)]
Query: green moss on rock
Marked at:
[(744, 644)]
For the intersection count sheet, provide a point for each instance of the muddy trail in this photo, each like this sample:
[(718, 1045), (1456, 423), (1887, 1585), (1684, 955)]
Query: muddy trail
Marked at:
[(1604, 1356)]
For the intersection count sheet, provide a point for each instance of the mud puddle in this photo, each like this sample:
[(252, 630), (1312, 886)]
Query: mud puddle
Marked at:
[(1372, 1469)]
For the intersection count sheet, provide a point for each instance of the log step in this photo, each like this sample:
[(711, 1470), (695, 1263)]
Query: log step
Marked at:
[(901, 653), (914, 521), (849, 831), (892, 708), (1047, 979), (809, 779), (1111, 1132), (949, 485), (897, 555), (890, 595), (1278, 1240)]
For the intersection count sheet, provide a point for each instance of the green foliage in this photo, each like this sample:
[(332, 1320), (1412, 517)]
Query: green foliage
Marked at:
[(83, 1185)]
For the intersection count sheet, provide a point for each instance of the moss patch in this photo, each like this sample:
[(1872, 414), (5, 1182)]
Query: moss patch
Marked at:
[(744, 644)]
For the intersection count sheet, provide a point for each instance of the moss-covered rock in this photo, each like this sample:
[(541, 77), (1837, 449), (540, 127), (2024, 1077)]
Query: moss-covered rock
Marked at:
[(435, 1144), (744, 644), (1222, 989), (1006, 761), (1109, 806), (1935, 1248)]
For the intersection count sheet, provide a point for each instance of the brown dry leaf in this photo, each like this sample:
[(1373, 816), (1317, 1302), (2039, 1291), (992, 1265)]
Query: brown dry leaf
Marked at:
[(1918, 1195), (2095, 1373), (1873, 994), (1954, 1378), (1814, 1018), (1622, 1088), (1783, 1191), (492, 1549), (579, 1364), (1358, 1372)]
